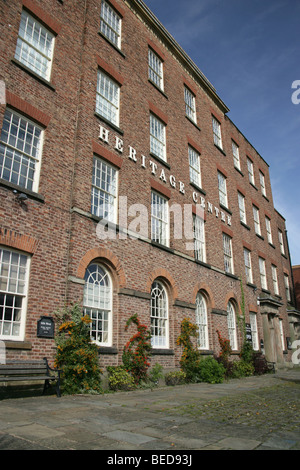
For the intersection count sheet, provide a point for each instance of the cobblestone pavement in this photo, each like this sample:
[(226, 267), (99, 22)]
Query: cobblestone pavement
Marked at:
[(261, 413)]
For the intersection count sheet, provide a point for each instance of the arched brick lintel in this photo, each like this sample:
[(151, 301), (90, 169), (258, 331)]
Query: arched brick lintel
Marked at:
[(203, 288), (162, 273), (106, 256)]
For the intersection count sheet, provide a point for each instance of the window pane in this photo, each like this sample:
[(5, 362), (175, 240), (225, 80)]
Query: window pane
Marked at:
[(110, 24), (157, 137), (155, 69), (222, 189), (201, 321), (159, 316), (199, 239), (217, 132), (107, 98), (104, 190), (231, 326), (35, 46), (97, 302), (159, 219), (194, 162), (13, 267), (190, 104)]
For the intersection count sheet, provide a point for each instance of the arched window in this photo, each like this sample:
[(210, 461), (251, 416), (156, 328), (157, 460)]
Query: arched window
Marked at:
[(231, 325), (97, 303), (159, 316), (201, 321)]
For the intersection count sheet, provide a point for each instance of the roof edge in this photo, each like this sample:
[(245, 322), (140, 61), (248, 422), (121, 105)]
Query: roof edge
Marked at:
[(149, 16)]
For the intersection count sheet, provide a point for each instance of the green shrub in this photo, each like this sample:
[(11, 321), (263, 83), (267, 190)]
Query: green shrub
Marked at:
[(137, 351), (156, 373), (177, 377), (247, 352), (190, 357), (242, 369), (76, 355), (210, 371), (119, 378)]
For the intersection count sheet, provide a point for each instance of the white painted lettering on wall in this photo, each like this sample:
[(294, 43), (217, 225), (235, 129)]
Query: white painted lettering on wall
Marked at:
[(104, 136)]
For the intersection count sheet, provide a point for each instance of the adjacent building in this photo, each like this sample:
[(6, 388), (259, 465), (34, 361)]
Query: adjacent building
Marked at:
[(125, 187)]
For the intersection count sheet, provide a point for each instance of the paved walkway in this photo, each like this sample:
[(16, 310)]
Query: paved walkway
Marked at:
[(246, 414)]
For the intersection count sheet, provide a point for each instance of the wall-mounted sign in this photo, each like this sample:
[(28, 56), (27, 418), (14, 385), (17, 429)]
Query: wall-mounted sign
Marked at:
[(248, 332), (45, 327)]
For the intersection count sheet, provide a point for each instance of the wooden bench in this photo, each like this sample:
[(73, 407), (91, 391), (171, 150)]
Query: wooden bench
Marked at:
[(27, 371)]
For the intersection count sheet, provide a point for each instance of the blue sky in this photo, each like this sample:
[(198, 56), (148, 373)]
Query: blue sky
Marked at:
[(250, 51)]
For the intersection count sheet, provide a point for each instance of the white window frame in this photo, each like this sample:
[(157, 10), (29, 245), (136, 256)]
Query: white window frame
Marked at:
[(217, 132), (110, 24), (254, 331), (21, 144), (222, 185), (157, 137), (97, 303), (199, 239), (242, 208), (281, 334), (104, 190), (236, 155), (14, 280), (275, 279), (248, 265), (262, 181), (256, 217), (190, 104), (35, 46), (269, 230), (231, 323), (202, 322), (159, 316), (108, 98), (263, 273), (228, 256), (287, 287), (159, 219), (281, 242), (250, 167), (194, 165), (155, 69)]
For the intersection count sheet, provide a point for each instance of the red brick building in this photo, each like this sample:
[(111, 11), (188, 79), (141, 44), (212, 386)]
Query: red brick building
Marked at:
[(107, 124)]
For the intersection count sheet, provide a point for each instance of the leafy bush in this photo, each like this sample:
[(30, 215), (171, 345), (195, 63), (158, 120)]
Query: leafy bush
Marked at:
[(137, 351), (190, 358), (119, 378), (76, 355), (156, 373), (247, 352), (210, 371), (260, 364), (242, 369), (177, 377), (226, 364)]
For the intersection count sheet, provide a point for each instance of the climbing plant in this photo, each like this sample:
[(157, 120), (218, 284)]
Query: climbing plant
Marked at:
[(137, 351), (76, 355)]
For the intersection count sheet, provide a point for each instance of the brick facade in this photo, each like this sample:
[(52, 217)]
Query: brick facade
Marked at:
[(55, 226)]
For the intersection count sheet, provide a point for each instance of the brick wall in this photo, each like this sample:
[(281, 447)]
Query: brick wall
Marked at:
[(58, 226)]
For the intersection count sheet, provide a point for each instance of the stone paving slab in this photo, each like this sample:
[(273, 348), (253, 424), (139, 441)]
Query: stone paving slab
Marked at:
[(256, 413)]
